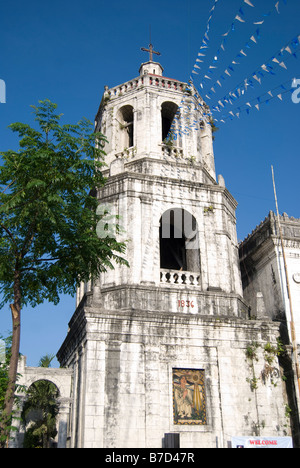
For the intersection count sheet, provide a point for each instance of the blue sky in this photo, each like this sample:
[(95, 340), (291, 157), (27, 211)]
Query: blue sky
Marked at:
[(68, 51)]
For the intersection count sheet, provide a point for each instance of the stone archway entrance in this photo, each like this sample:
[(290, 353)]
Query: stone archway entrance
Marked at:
[(61, 378)]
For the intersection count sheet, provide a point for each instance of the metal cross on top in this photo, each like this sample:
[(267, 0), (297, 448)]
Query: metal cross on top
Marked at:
[(151, 51)]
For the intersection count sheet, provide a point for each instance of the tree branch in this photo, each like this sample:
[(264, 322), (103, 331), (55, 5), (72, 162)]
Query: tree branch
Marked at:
[(10, 235)]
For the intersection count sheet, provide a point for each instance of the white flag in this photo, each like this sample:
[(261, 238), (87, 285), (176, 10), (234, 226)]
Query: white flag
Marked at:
[(283, 65)]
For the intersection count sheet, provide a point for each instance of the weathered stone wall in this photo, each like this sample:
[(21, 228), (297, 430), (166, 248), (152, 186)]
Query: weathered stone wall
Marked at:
[(263, 269), (126, 397)]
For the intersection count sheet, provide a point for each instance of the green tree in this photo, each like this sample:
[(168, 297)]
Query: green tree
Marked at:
[(48, 239), (42, 401)]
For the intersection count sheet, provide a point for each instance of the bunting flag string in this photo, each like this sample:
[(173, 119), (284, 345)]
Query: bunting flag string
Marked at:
[(267, 68), (255, 37), (205, 41), (184, 120), (240, 17), (275, 93), (275, 8)]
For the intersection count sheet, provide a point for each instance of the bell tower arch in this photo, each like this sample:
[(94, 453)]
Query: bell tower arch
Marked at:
[(159, 161)]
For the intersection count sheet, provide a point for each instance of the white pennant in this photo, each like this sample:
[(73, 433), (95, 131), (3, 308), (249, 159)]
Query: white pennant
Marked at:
[(283, 65), (249, 3)]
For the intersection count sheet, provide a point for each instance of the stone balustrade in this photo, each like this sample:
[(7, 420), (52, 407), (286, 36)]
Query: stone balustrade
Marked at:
[(186, 278), (145, 80), (173, 151)]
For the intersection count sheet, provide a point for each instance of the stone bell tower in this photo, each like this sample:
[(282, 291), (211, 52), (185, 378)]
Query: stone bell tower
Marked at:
[(159, 348)]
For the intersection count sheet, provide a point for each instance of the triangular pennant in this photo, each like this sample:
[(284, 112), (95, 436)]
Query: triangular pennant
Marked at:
[(239, 19), (283, 65), (249, 3)]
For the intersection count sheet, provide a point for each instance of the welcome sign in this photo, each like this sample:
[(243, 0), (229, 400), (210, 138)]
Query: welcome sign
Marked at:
[(262, 442)]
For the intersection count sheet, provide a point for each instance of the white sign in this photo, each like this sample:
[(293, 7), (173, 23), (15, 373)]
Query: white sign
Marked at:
[(262, 442), (2, 351)]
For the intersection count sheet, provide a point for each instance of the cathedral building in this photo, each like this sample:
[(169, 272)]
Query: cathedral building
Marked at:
[(170, 352)]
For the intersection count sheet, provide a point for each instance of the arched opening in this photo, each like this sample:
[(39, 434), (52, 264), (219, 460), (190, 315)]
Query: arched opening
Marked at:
[(125, 118), (179, 241), (39, 415), (168, 111)]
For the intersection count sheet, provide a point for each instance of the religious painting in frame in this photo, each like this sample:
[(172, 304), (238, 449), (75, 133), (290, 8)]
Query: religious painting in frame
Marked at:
[(189, 399)]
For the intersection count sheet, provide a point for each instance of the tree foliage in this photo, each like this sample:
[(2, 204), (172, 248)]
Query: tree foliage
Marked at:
[(48, 211), (48, 238)]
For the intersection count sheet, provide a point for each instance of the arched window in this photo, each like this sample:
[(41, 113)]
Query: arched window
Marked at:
[(179, 241), (168, 111), (125, 118)]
